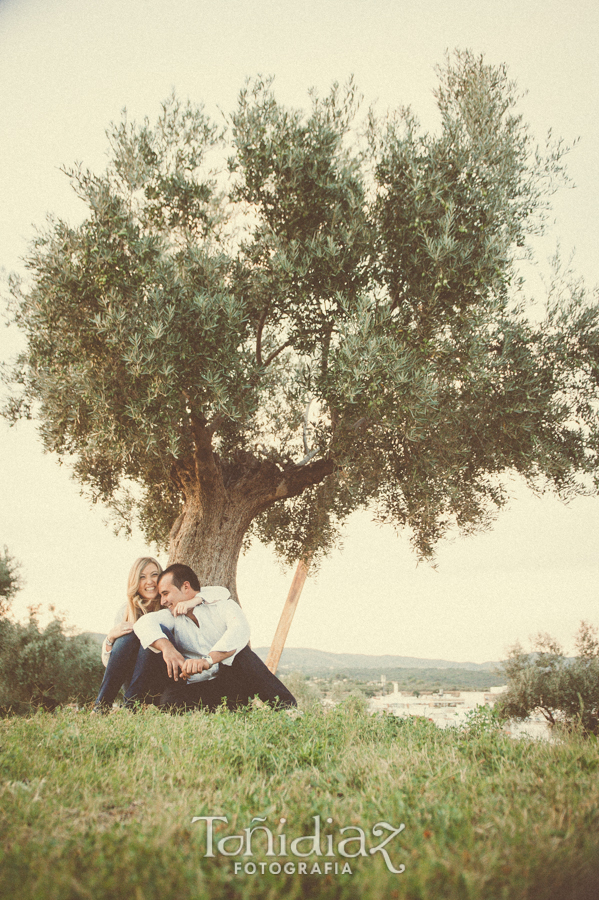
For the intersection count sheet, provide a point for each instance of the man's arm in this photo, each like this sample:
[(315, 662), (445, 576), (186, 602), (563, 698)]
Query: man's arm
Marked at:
[(149, 630), (236, 634), (193, 666), (175, 662)]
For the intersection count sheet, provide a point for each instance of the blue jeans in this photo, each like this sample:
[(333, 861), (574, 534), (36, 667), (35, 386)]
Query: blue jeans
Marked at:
[(142, 672)]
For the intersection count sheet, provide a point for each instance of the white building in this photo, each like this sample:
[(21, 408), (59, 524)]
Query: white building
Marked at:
[(446, 708)]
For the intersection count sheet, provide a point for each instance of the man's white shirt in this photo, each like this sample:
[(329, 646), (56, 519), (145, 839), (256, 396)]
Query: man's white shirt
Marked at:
[(222, 626)]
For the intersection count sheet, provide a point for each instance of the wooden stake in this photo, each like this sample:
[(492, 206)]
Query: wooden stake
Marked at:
[(278, 642)]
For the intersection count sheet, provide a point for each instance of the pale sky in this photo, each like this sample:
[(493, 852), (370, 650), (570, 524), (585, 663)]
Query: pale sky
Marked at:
[(68, 67)]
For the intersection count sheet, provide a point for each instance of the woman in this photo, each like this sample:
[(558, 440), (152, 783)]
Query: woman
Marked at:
[(121, 650)]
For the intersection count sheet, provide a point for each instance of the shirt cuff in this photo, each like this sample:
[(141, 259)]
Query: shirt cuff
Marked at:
[(227, 643)]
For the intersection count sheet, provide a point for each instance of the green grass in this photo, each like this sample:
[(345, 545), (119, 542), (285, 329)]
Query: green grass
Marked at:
[(102, 807)]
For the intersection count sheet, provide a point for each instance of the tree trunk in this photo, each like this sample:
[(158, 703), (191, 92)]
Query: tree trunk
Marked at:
[(209, 536), (222, 499)]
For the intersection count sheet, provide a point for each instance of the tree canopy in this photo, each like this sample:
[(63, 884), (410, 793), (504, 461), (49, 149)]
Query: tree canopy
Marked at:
[(565, 691), (263, 326), (10, 580)]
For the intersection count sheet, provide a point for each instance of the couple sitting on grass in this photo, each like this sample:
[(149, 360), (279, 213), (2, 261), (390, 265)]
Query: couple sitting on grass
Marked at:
[(182, 646)]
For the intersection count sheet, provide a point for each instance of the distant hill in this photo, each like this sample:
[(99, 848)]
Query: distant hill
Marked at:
[(319, 661)]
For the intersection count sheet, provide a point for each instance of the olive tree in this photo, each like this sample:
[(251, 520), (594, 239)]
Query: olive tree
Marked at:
[(261, 326), (10, 580), (565, 691)]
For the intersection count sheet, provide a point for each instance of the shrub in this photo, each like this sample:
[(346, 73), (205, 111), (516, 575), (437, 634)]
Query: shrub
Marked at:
[(306, 694), (45, 667)]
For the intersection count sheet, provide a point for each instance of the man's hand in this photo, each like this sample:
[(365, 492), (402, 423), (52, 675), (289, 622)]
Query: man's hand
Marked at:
[(193, 666), (182, 608), (174, 660)]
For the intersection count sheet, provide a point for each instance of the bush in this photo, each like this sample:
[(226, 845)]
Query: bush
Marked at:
[(565, 691), (306, 694), (45, 667)]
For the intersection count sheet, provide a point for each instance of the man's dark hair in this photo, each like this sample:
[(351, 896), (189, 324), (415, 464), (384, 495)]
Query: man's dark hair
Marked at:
[(181, 574)]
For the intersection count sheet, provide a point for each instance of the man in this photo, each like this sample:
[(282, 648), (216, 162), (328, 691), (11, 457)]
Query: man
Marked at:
[(203, 637)]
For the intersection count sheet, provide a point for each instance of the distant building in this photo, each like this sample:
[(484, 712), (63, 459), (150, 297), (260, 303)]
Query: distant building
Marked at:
[(443, 708)]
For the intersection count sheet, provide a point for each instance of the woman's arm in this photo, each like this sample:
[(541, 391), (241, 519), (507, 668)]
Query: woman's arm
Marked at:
[(119, 628), (185, 606)]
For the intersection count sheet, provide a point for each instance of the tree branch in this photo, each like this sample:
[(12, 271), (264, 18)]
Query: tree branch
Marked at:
[(306, 414), (206, 469), (395, 298), (297, 479), (326, 346), (215, 424), (259, 331), (275, 353), (308, 457)]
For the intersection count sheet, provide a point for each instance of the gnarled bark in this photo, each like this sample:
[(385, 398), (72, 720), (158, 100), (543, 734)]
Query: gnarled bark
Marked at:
[(221, 500)]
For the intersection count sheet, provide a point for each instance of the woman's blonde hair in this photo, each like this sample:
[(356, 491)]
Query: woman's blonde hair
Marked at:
[(136, 605)]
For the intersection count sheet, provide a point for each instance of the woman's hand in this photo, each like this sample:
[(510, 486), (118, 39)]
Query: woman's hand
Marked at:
[(118, 631), (182, 608)]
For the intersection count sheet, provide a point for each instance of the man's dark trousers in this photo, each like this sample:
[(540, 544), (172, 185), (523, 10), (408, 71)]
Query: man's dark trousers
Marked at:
[(237, 684)]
